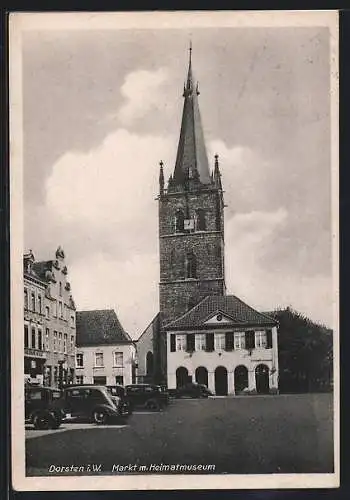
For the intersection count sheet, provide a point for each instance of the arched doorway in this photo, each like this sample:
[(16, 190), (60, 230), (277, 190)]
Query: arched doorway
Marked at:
[(262, 379), (181, 376), (241, 378), (202, 375), (221, 381), (149, 364)]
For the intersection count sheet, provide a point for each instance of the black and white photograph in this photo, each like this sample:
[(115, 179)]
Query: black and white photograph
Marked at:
[(174, 250)]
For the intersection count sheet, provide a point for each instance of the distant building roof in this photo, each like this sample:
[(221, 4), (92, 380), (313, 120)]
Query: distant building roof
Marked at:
[(100, 327), (229, 305)]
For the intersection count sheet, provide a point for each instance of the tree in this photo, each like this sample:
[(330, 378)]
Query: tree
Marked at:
[(305, 352)]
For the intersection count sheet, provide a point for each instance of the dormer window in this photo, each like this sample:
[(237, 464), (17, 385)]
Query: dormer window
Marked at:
[(179, 221)]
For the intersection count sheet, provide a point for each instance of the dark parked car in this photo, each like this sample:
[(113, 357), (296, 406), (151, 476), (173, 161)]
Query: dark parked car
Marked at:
[(120, 392), (193, 390), (43, 408), (149, 396), (93, 402)]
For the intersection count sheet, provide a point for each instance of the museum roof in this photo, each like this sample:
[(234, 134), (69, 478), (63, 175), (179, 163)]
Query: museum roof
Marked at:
[(234, 310)]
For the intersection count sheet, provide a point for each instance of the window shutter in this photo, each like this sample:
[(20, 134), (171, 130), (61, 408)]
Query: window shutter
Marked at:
[(190, 342), (172, 342), (269, 339), (229, 341), (250, 339), (210, 342)]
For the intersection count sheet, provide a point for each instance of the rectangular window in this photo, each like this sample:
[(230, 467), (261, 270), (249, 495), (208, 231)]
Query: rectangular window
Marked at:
[(55, 309), (172, 342), (100, 380), (25, 298), (60, 289), (269, 339), (60, 312), (26, 339), (72, 321), (219, 342), (119, 380), (80, 379), (118, 359), (60, 342), (79, 360), (250, 339), (229, 342), (260, 340), (39, 304), (55, 375), (47, 339), (47, 312), (190, 344), (201, 342), (210, 342), (33, 301), (40, 340), (181, 342), (72, 343), (65, 341), (99, 359), (55, 341), (33, 346), (239, 340)]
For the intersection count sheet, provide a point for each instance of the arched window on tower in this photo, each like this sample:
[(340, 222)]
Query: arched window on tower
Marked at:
[(179, 221), (191, 265), (200, 220)]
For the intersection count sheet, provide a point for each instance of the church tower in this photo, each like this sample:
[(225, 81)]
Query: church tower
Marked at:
[(191, 218)]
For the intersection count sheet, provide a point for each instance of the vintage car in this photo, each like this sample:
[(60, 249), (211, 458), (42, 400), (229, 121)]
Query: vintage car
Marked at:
[(149, 396), (94, 403), (43, 408)]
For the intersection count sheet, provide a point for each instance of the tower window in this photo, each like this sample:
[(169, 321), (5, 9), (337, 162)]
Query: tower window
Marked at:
[(191, 265), (179, 221), (200, 220)]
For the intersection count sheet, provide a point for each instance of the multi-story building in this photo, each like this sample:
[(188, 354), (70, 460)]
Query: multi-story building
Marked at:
[(204, 334), (49, 321), (105, 354), (34, 322)]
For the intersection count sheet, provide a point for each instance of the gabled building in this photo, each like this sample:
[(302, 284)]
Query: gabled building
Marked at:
[(224, 344), (105, 353), (204, 334), (49, 321)]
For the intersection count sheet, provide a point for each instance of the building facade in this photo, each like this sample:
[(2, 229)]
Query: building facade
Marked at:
[(49, 322), (228, 346), (105, 353), (224, 344)]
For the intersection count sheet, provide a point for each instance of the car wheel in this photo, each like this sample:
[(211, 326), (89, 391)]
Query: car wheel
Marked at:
[(152, 405), (42, 422), (100, 417)]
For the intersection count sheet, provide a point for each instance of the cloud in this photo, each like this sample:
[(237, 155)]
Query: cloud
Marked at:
[(127, 286), (251, 237), (111, 186), (101, 207), (143, 92)]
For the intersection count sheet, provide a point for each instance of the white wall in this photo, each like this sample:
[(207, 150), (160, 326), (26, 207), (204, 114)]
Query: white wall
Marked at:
[(144, 345), (230, 360), (109, 371)]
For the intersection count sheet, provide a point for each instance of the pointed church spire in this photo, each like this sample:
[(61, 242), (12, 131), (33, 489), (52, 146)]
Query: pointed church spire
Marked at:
[(161, 178), (191, 159)]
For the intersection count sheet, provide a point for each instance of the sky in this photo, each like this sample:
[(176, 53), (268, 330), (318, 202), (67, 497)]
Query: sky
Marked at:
[(101, 108)]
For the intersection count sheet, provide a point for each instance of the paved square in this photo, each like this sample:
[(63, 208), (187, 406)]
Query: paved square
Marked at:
[(239, 435)]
